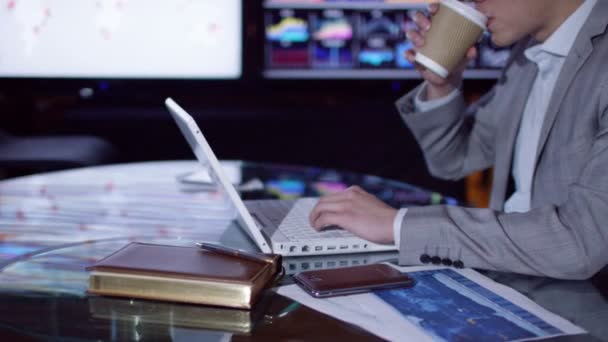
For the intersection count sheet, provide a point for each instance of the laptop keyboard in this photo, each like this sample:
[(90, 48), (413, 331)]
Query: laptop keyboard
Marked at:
[(291, 217)]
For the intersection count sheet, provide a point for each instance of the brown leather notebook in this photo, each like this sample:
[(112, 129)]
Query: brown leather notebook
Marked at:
[(182, 274)]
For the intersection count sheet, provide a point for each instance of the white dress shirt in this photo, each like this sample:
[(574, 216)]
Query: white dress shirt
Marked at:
[(549, 57)]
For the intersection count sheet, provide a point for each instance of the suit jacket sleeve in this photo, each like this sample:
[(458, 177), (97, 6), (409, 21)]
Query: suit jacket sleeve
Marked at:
[(566, 241), (457, 140)]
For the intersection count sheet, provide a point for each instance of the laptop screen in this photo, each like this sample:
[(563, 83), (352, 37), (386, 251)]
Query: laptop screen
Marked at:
[(207, 158)]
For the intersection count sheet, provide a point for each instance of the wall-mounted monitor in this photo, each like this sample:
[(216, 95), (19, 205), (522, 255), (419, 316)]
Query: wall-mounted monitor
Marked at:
[(121, 39), (359, 39)]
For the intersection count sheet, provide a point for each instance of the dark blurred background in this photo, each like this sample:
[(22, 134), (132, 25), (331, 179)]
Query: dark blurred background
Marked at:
[(347, 123)]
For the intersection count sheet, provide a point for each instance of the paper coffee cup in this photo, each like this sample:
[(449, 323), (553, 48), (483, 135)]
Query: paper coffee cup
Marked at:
[(455, 28)]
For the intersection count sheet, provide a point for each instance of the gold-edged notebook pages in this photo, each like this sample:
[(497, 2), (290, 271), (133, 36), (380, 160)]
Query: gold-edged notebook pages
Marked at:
[(182, 274)]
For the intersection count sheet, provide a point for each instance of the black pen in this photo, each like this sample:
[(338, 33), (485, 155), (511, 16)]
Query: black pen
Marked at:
[(235, 252)]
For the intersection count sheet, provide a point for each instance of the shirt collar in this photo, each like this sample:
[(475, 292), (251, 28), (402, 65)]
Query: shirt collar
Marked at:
[(561, 41)]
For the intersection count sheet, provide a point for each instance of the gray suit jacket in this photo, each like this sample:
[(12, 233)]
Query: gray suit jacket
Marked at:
[(565, 234)]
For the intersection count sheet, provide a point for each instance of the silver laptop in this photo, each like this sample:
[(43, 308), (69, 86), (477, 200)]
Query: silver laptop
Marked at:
[(276, 226)]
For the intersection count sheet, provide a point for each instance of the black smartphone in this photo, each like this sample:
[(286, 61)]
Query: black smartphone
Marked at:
[(351, 280)]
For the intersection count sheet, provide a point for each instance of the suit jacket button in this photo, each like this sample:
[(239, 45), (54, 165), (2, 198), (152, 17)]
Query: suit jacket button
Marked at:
[(436, 260), (458, 264), (425, 258), (447, 262)]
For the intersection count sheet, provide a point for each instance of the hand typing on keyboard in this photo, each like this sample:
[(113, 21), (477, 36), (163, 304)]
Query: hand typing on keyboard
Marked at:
[(356, 211)]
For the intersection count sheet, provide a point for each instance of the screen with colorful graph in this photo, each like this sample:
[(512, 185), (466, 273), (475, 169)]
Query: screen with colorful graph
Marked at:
[(193, 39), (351, 39)]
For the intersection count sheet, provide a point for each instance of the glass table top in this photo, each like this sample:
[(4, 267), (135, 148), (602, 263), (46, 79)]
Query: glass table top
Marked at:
[(52, 226)]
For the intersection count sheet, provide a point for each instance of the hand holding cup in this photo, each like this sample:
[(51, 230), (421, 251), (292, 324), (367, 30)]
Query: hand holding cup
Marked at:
[(444, 45)]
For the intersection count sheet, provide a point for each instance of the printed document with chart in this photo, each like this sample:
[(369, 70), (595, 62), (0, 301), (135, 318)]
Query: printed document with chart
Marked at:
[(444, 305)]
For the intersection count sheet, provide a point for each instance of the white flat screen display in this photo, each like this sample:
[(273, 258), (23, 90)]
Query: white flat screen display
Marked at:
[(173, 39)]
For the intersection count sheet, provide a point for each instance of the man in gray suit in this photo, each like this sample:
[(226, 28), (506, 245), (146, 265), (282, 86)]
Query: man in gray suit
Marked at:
[(544, 125)]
